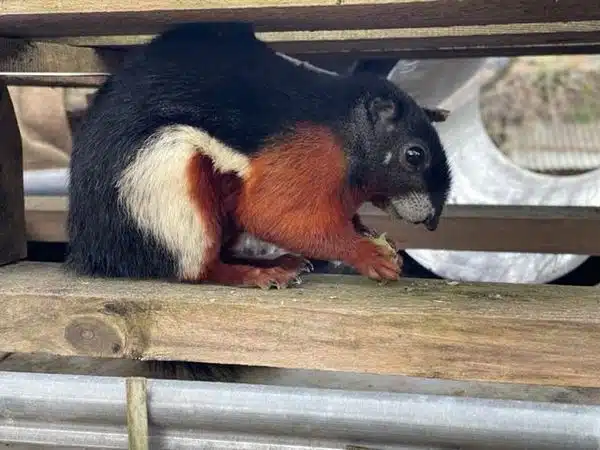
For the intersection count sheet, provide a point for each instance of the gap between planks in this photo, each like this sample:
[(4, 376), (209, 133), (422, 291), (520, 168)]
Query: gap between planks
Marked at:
[(536, 334), (531, 229)]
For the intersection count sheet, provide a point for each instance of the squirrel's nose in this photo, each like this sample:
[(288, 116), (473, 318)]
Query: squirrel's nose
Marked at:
[(432, 221)]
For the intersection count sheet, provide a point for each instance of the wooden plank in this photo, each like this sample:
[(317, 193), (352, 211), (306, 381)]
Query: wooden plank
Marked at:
[(26, 62), (538, 229), (528, 229), (137, 413), (342, 60), (12, 210), (46, 219), (495, 332), (52, 80), (19, 55), (45, 18), (406, 37)]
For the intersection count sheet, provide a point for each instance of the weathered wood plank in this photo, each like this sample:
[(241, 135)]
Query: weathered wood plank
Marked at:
[(137, 413), (544, 334), (46, 219), (536, 229), (77, 64), (18, 55), (24, 62), (52, 80), (529, 229), (12, 210), (36, 18), (305, 29), (406, 37)]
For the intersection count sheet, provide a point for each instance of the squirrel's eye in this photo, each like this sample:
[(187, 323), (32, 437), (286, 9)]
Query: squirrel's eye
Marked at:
[(415, 155)]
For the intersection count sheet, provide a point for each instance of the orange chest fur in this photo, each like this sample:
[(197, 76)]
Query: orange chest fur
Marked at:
[(306, 173)]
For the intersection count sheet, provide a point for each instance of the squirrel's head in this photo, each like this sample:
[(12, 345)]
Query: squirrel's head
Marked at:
[(395, 153)]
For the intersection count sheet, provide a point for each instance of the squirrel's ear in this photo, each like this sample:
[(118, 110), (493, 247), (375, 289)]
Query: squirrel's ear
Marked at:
[(382, 110), (437, 114)]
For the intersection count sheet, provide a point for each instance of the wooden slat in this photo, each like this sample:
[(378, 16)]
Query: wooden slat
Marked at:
[(77, 64), (17, 55), (137, 413), (38, 18), (12, 211), (395, 39), (471, 227), (528, 229), (303, 28), (496, 332), (24, 62), (46, 219), (52, 80)]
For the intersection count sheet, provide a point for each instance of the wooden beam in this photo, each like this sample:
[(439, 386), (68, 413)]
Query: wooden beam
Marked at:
[(307, 29), (431, 42), (471, 331), (52, 80), (24, 62), (395, 39), (45, 18), (497, 228), (12, 210), (25, 56), (86, 61), (137, 413), (46, 219), (537, 229)]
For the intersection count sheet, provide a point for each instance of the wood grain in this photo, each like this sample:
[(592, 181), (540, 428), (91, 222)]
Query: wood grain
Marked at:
[(538, 229), (44, 18), (12, 210), (543, 334)]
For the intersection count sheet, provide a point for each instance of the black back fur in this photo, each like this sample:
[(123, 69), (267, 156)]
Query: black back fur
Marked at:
[(220, 78)]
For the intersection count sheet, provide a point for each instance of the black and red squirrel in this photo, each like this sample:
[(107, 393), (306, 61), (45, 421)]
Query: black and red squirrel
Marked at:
[(206, 133)]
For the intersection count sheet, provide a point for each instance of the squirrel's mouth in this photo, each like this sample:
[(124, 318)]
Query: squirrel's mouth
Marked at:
[(415, 208), (432, 222)]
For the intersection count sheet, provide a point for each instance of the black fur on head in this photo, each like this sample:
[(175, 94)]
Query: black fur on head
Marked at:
[(395, 152)]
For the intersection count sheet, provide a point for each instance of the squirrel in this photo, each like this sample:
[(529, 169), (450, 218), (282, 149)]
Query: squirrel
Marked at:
[(206, 133)]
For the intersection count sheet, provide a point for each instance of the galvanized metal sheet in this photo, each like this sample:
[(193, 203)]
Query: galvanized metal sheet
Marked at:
[(89, 412)]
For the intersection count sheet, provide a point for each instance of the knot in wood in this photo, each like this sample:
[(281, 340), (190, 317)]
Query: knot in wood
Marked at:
[(94, 336)]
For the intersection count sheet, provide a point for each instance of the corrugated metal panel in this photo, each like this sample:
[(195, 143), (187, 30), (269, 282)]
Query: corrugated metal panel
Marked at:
[(89, 412)]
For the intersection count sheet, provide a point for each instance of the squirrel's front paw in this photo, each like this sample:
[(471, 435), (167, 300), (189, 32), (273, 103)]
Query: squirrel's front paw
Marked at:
[(377, 259)]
